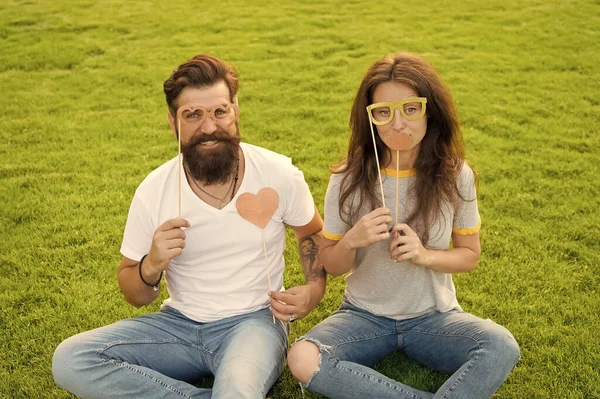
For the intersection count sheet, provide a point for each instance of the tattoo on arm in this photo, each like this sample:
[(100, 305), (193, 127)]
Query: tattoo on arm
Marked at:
[(309, 256)]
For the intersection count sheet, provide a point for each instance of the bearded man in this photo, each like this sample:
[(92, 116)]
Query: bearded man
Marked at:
[(223, 274)]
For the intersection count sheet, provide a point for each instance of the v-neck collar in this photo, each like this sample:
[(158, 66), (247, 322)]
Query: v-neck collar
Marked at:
[(190, 192)]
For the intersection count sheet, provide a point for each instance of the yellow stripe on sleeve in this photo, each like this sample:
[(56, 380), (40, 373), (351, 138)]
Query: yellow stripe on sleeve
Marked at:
[(331, 236), (467, 232)]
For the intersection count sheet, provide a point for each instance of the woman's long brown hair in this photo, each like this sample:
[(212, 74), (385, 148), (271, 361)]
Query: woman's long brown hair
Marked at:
[(441, 152)]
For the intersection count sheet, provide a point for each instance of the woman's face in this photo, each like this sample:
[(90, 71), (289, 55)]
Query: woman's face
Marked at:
[(400, 134)]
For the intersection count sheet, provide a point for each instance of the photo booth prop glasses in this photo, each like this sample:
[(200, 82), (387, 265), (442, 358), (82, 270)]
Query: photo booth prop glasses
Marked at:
[(411, 109), (194, 115)]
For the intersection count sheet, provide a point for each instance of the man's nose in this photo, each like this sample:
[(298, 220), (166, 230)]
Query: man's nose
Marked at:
[(209, 126)]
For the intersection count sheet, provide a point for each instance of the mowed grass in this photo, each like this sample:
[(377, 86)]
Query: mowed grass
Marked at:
[(83, 120)]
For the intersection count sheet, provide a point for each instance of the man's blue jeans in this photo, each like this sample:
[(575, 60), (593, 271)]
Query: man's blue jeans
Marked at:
[(479, 354), (161, 355)]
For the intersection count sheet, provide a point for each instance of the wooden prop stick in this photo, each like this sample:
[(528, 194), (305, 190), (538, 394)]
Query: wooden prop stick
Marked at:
[(262, 231), (397, 173), (378, 166), (179, 167)]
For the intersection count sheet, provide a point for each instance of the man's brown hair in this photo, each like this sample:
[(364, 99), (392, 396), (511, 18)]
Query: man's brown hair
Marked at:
[(201, 71)]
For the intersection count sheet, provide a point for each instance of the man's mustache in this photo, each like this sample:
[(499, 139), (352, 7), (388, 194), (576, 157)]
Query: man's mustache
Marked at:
[(218, 135)]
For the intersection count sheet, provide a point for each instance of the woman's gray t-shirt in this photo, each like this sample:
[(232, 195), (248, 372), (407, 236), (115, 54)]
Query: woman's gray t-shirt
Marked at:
[(403, 290)]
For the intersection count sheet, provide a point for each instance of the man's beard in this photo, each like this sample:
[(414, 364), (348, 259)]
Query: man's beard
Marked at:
[(215, 165)]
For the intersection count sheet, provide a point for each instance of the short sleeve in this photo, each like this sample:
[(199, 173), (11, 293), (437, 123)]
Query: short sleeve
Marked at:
[(334, 227), (299, 203), (466, 218), (137, 238)]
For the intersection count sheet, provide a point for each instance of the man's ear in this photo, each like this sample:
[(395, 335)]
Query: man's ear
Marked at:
[(172, 124), (235, 100)]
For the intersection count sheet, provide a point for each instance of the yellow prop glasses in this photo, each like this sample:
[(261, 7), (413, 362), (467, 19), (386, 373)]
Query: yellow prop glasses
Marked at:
[(194, 115), (410, 108)]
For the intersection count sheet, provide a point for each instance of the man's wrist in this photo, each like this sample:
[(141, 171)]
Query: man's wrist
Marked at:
[(148, 279), (317, 288)]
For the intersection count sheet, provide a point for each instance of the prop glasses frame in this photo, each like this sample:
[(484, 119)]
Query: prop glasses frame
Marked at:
[(397, 105), (220, 114)]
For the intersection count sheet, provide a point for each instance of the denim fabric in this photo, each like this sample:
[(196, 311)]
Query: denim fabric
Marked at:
[(161, 355), (479, 354)]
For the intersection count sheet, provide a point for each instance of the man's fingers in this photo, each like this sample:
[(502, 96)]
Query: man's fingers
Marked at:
[(176, 243), (173, 234), (174, 252), (278, 315), (166, 245), (286, 316), (173, 223), (277, 305), (284, 308), (282, 296)]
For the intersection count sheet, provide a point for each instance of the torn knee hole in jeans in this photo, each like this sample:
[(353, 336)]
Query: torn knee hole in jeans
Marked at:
[(322, 348)]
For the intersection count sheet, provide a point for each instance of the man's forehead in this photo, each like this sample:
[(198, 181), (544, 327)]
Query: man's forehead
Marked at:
[(196, 106), (206, 96)]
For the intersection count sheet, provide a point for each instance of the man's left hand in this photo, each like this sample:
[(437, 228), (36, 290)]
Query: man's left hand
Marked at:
[(297, 301)]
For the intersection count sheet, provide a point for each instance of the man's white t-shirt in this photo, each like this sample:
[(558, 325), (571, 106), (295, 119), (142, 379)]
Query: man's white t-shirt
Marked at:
[(222, 271)]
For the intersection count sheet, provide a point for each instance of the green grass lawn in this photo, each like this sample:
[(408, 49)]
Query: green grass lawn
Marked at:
[(83, 120)]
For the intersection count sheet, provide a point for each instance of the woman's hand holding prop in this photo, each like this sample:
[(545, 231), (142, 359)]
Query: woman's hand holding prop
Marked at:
[(371, 228), (406, 245)]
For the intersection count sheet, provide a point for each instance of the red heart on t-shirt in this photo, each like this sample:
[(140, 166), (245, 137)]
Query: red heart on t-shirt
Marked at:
[(258, 209)]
